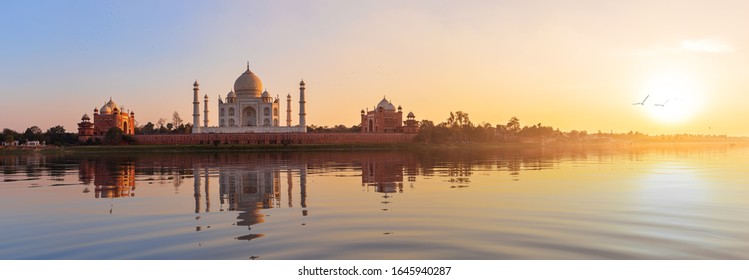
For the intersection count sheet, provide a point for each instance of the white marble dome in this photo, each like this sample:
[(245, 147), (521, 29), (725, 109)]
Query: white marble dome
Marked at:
[(248, 83)]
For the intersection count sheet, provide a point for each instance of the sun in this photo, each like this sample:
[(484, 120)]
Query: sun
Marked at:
[(674, 97)]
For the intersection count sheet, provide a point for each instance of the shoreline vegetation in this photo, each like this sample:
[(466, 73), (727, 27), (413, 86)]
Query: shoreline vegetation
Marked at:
[(457, 132)]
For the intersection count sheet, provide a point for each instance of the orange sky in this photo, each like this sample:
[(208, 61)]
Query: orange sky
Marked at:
[(573, 65)]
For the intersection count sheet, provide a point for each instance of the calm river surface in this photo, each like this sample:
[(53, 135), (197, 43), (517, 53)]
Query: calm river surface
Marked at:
[(668, 202)]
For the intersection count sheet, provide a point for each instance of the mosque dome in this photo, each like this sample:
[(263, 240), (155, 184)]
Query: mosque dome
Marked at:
[(105, 110), (411, 115), (266, 94), (386, 105), (111, 104), (248, 83), (85, 117), (231, 94)]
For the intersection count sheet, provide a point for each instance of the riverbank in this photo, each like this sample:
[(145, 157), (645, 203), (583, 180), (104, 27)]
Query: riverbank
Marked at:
[(417, 147)]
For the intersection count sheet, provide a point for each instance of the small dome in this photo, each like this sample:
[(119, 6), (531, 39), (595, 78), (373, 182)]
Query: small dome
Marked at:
[(362, 111), (386, 105), (248, 83), (85, 117), (206, 96), (231, 94), (105, 110), (195, 84), (302, 83), (411, 115), (266, 94)]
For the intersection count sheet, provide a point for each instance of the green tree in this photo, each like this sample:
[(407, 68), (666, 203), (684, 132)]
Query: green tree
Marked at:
[(148, 128), (10, 135), (161, 122), (513, 126), (114, 136), (459, 120), (56, 135), (33, 133), (176, 120)]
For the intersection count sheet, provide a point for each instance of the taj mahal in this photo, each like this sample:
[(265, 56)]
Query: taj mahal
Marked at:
[(249, 108)]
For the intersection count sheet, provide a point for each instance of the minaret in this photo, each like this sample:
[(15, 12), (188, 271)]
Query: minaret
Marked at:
[(205, 111), (302, 114), (195, 109), (288, 110)]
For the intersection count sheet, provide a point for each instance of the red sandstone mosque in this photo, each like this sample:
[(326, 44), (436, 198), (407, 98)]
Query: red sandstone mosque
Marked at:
[(385, 119), (110, 115)]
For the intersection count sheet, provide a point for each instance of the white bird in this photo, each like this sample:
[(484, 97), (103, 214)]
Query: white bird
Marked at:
[(643, 101), (662, 105)]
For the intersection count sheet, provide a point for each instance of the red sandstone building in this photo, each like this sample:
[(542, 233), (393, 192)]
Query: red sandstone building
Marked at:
[(386, 119), (108, 117)]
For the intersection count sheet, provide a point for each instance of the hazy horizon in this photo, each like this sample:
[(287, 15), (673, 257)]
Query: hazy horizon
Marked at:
[(573, 65)]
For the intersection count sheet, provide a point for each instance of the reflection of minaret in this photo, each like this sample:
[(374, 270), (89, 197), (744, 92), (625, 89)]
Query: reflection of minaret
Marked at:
[(196, 191), (207, 195), (303, 188), (288, 180)]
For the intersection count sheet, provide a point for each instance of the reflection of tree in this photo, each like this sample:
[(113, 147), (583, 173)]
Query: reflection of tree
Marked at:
[(459, 173)]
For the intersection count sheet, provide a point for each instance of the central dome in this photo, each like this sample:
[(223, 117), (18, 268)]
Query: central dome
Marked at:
[(385, 105), (248, 83)]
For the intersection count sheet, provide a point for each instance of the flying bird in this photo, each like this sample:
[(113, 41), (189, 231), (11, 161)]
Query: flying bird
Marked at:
[(662, 105), (643, 101)]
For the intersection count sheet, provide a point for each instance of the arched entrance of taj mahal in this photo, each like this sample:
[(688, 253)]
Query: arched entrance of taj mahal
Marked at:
[(249, 117)]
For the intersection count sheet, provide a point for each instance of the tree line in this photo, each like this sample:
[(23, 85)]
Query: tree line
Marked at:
[(55, 135), (176, 126), (457, 128)]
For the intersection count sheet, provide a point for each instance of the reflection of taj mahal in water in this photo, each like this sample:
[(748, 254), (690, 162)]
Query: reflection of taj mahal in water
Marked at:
[(248, 191), (244, 186)]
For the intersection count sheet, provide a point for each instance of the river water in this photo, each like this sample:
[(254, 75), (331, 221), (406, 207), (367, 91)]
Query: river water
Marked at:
[(658, 202)]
